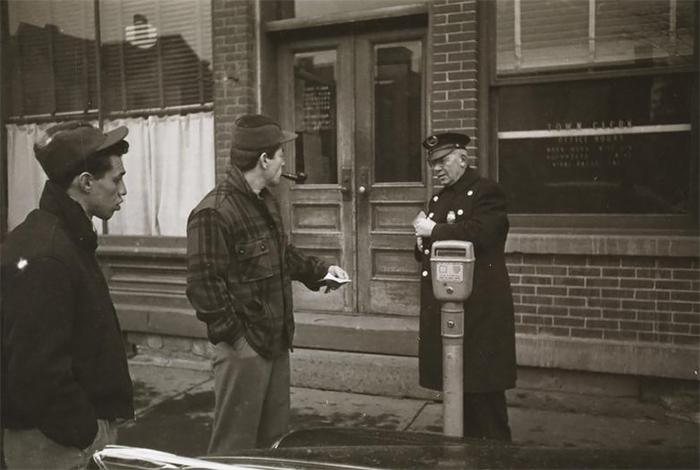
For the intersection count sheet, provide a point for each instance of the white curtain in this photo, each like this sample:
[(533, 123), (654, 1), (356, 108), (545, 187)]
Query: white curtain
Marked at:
[(25, 178), (169, 168)]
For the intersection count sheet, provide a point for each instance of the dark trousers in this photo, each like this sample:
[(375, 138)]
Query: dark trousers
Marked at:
[(486, 416)]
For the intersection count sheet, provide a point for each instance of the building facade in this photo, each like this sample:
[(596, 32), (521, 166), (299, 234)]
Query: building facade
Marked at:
[(586, 112)]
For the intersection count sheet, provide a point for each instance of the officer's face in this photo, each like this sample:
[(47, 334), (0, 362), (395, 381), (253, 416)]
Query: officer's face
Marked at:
[(449, 168)]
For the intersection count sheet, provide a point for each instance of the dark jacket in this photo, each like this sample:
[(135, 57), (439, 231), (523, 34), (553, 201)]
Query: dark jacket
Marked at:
[(63, 360), (489, 331), (240, 267)]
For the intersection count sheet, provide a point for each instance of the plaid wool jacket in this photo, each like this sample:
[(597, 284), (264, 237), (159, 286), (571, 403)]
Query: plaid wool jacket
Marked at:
[(240, 267)]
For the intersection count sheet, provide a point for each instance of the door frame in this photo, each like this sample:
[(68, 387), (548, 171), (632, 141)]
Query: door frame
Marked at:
[(355, 147)]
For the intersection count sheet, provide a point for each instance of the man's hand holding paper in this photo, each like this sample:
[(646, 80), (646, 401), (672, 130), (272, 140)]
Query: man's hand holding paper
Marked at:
[(335, 278)]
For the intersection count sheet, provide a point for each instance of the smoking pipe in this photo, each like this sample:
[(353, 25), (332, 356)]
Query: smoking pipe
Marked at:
[(296, 177)]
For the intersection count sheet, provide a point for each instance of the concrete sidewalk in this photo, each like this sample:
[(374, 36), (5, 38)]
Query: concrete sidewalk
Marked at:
[(174, 411)]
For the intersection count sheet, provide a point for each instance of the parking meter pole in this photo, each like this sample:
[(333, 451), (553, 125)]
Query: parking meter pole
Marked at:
[(452, 317), (452, 268)]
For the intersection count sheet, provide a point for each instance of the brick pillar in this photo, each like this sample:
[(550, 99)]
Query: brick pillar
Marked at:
[(454, 67), (233, 35)]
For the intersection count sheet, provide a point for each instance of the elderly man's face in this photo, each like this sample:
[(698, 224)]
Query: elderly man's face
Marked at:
[(449, 168)]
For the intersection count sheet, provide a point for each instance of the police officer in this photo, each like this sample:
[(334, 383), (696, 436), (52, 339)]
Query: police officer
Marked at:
[(478, 207)]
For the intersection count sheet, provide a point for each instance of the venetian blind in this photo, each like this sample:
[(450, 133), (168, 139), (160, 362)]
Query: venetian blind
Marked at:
[(534, 35), (156, 54)]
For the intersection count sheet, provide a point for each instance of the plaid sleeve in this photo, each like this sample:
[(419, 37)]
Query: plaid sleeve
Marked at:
[(307, 269), (207, 265)]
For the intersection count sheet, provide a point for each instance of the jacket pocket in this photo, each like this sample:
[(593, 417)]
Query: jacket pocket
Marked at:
[(254, 260)]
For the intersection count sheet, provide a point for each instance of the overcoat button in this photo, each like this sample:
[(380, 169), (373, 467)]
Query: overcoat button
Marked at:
[(435, 199), (470, 192), (425, 273), (431, 215), (426, 251), (460, 212)]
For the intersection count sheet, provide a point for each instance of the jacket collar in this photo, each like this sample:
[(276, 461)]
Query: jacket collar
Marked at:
[(238, 181), (54, 200)]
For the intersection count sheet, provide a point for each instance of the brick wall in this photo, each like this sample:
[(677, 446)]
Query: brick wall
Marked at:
[(233, 34), (637, 299), (453, 96)]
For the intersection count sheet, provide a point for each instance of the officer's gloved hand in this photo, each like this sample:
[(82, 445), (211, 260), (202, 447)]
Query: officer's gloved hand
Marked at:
[(423, 226)]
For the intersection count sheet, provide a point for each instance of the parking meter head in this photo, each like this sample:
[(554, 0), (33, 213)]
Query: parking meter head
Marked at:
[(452, 270)]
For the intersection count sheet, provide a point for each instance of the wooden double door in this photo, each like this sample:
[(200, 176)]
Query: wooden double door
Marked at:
[(358, 105)]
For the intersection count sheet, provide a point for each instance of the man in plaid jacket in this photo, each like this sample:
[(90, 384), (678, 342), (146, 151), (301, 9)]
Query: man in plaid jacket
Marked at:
[(240, 268)]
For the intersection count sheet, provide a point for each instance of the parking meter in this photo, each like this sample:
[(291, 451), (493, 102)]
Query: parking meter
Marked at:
[(452, 269)]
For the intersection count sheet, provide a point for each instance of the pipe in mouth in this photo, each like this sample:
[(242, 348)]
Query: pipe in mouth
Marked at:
[(296, 177)]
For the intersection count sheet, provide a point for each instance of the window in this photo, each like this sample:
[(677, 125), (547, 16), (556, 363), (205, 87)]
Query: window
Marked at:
[(540, 35), (147, 67), (595, 108), (398, 111), (154, 55), (315, 108)]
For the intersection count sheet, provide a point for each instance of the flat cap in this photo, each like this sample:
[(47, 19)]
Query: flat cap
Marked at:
[(258, 132), (439, 145), (65, 146)]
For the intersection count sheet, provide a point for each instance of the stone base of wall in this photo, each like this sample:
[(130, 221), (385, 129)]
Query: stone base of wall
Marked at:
[(377, 374)]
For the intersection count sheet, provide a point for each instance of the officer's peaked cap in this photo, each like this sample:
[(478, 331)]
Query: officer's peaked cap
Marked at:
[(439, 145)]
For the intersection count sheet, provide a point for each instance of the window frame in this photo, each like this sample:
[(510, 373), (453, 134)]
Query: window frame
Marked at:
[(647, 224)]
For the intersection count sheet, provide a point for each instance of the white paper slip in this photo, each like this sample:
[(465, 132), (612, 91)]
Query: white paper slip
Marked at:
[(329, 278)]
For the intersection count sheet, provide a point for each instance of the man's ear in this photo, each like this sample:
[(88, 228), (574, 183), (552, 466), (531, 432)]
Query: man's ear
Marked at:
[(264, 158), (85, 181)]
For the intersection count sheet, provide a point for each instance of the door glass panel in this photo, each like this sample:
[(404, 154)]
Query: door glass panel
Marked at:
[(398, 110), (315, 117)]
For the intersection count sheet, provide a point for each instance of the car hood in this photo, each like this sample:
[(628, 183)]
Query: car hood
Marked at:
[(355, 449)]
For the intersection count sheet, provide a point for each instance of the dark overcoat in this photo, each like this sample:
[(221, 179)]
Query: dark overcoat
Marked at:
[(64, 364), (489, 331)]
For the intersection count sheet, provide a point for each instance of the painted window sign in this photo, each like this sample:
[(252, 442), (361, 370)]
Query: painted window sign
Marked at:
[(606, 147)]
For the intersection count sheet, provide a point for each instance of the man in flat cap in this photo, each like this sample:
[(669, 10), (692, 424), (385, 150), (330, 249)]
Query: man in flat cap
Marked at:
[(239, 282), (473, 209), (65, 380)]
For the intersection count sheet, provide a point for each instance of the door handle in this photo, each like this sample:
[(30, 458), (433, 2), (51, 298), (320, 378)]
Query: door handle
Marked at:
[(346, 183), (363, 187)]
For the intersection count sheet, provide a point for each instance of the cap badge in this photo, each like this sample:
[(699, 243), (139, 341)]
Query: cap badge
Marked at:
[(431, 141)]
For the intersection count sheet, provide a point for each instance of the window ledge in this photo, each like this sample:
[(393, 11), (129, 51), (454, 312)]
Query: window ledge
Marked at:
[(657, 245), (142, 246)]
